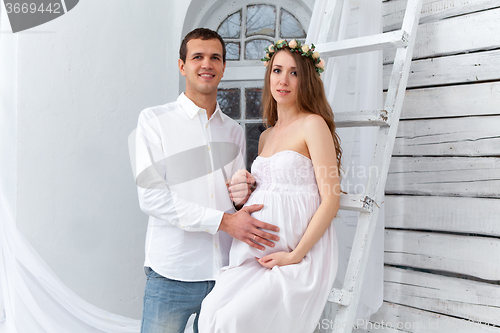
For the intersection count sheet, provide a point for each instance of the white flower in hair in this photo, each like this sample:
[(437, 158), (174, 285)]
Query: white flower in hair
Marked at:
[(296, 47)]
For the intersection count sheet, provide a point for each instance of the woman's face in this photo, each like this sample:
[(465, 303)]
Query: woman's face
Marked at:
[(283, 80)]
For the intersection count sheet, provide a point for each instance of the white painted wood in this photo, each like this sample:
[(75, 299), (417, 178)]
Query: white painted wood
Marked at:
[(457, 297), (358, 330), (375, 188), (469, 136), (469, 255), (354, 202), (449, 176), (432, 10), (330, 21), (420, 321), (383, 329), (239, 73), (453, 214), (361, 118), (340, 296), (473, 67), (455, 35), (363, 44), (473, 256), (449, 101)]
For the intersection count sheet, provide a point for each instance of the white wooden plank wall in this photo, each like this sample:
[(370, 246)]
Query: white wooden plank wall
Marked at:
[(464, 136), (442, 245), (477, 99), (445, 176)]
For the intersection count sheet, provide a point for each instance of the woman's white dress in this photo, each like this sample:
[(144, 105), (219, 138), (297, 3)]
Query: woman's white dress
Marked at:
[(249, 298)]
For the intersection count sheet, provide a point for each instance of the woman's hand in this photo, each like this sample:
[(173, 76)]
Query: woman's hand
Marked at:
[(278, 258), (240, 187)]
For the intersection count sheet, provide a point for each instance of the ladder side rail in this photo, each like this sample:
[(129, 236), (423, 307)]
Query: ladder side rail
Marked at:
[(383, 151), (330, 20), (394, 104)]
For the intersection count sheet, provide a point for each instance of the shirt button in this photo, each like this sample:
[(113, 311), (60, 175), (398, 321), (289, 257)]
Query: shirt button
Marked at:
[(212, 196), (208, 148), (216, 245), (206, 126)]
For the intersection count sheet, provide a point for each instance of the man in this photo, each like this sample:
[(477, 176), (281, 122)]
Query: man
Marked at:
[(185, 153)]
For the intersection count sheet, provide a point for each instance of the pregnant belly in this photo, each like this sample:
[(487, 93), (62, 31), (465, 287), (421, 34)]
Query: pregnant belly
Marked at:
[(290, 213)]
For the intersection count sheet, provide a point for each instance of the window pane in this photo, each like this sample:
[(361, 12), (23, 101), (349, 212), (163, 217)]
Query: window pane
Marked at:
[(229, 102), (252, 135), (290, 26), (256, 49), (231, 27), (261, 20), (232, 51), (253, 103)]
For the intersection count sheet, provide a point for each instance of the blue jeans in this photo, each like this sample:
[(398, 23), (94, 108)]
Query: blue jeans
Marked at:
[(168, 304)]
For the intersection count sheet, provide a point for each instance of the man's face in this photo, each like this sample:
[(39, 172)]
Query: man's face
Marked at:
[(204, 66)]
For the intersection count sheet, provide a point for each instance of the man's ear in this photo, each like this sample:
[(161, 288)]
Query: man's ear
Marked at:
[(180, 63)]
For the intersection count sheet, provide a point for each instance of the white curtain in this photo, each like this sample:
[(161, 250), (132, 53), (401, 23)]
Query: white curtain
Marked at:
[(34, 300), (355, 83)]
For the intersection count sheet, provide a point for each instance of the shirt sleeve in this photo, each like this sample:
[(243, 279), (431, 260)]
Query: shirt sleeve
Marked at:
[(155, 195), (240, 160)]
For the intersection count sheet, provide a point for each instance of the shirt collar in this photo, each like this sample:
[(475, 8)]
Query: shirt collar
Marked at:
[(192, 109)]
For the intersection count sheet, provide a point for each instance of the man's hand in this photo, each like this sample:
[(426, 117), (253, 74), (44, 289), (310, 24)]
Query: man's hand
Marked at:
[(240, 187), (242, 226)]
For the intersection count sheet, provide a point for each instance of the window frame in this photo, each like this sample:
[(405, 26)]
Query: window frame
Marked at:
[(246, 73)]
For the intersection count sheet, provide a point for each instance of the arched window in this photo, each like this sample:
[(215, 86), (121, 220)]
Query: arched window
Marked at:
[(247, 31)]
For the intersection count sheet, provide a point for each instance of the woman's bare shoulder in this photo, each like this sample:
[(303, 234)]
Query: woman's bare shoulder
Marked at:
[(313, 121), (265, 133)]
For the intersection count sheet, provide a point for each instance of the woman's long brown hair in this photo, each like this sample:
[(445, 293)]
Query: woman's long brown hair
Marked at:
[(311, 97)]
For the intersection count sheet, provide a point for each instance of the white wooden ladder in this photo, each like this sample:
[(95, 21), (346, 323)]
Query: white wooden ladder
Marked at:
[(387, 120)]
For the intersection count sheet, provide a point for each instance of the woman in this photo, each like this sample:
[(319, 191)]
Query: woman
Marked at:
[(285, 288)]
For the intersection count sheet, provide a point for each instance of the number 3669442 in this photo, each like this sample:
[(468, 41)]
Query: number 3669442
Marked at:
[(25, 8)]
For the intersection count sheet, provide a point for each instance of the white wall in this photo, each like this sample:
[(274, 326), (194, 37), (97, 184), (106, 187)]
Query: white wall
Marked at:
[(8, 83), (82, 80)]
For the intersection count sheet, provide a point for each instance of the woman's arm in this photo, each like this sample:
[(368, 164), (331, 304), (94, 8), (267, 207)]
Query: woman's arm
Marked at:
[(319, 141)]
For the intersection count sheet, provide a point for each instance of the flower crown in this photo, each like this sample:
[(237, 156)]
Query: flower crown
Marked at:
[(295, 46)]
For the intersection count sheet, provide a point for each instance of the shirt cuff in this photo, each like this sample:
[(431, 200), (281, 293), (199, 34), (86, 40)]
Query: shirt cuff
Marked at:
[(213, 221)]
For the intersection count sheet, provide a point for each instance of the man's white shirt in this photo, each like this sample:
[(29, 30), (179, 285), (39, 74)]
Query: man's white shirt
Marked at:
[(182, 161)]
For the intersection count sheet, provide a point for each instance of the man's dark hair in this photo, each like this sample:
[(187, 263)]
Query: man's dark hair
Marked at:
[(203, 34)]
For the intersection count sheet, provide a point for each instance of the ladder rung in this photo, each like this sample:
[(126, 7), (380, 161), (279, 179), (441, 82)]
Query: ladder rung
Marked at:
[(361, 118), (340, 296), (386, 40), (358, 203)]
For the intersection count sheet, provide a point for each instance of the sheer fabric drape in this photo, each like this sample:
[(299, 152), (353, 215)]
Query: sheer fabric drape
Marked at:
[(34, 300), (355, 83)]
